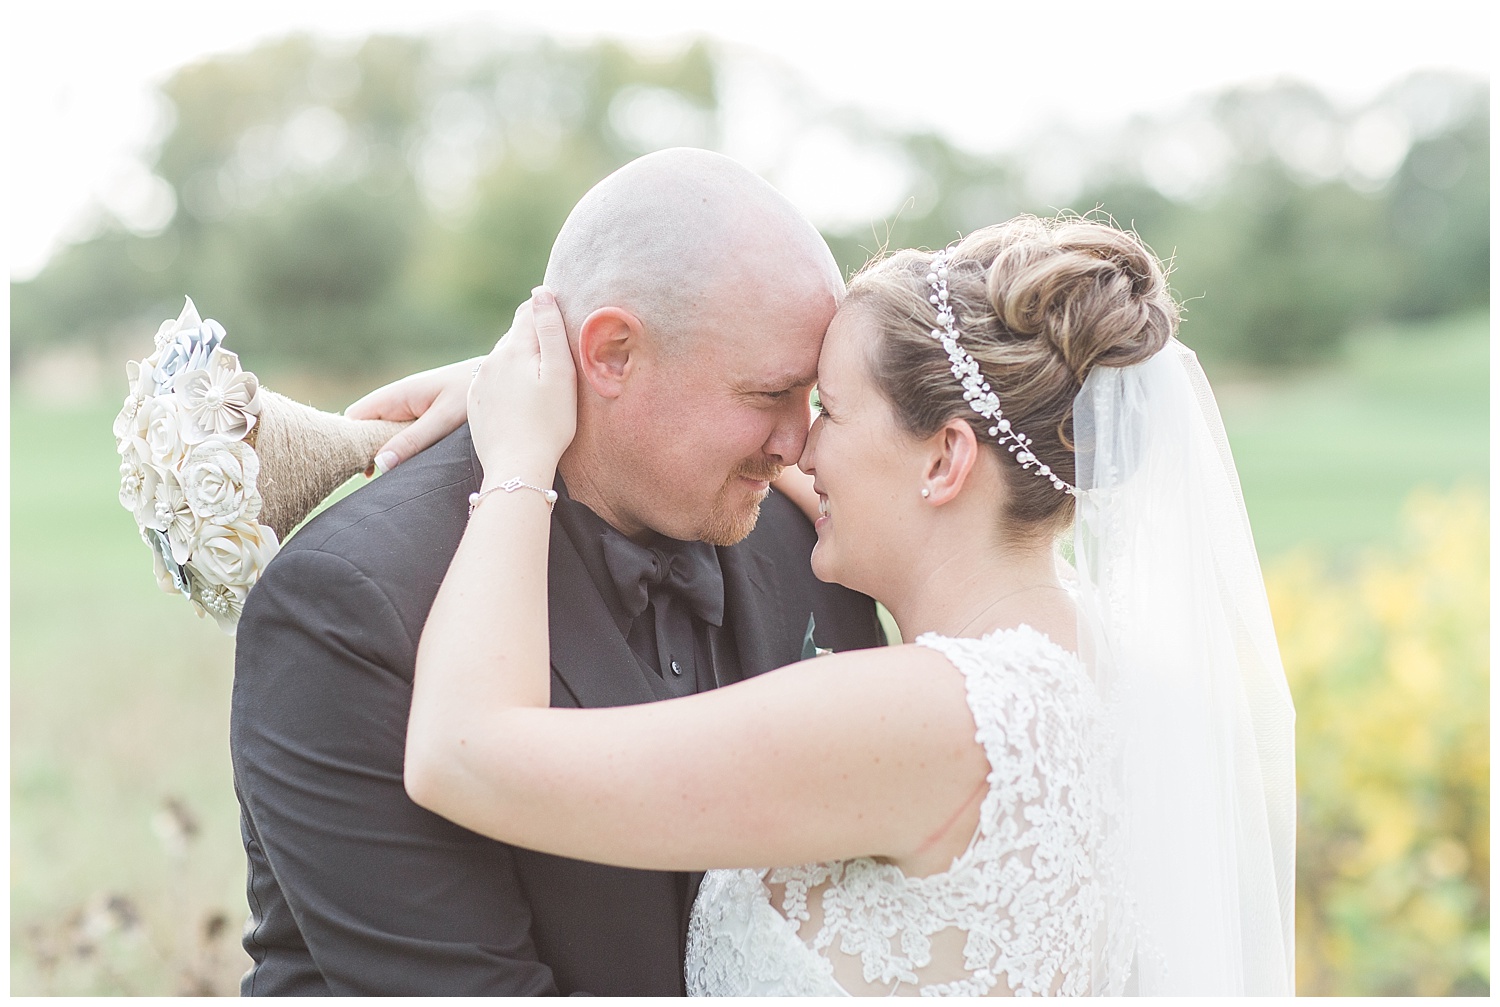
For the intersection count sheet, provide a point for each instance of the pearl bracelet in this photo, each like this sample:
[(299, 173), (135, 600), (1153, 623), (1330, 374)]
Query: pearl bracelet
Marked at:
[(510, 486)]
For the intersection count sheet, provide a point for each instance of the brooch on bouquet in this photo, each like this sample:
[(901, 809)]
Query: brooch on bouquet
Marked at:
[(217, 470)]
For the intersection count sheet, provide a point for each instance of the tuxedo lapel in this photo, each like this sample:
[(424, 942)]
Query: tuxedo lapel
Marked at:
[(589, 655)]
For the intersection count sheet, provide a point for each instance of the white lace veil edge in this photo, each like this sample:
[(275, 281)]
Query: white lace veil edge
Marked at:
[(1198, 858)]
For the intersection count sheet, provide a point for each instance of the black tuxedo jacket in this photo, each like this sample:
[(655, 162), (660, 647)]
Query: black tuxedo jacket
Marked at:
[(353, 889)]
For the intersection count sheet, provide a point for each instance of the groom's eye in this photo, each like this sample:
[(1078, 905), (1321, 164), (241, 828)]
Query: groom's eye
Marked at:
[(776, 396)]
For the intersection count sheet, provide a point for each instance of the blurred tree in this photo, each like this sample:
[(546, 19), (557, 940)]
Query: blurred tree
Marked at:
[(1438, 208), (1295, 242), (1276, 273), (393, 201), (951, 193), (554, 121), (396, 198)]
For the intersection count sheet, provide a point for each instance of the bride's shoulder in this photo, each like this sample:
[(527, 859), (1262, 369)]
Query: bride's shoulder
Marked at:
[(1017, 660), (1009, 646)]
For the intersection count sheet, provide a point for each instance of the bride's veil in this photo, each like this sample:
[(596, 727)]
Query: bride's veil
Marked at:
[(1197, 867)]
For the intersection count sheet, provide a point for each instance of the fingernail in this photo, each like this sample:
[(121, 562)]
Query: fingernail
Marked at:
[(541, 295), (385, 461)]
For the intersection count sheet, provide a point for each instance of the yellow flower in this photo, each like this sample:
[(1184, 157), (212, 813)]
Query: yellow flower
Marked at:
[(1388, 663)]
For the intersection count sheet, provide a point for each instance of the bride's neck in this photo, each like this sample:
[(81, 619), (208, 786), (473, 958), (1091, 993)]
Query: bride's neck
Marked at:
[(971, 591)]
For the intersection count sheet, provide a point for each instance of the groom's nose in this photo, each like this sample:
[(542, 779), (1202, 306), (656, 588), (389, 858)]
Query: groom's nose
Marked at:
[(789, 435)]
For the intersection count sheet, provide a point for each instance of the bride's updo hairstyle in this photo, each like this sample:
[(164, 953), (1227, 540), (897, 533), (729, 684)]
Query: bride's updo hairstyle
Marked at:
[(1038, 303)]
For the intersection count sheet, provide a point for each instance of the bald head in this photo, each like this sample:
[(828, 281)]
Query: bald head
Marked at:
[(680, 237)]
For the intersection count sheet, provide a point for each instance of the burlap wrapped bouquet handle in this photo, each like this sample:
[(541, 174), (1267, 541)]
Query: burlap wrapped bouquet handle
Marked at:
[(305, 454)]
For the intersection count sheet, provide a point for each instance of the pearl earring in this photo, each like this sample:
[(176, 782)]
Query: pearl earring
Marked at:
[(926, 492)]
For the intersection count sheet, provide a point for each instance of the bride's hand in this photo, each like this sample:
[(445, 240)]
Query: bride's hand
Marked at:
[(523, 402), (436, 400)]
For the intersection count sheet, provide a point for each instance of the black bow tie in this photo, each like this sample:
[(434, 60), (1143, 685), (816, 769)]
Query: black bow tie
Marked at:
[(690, 570)]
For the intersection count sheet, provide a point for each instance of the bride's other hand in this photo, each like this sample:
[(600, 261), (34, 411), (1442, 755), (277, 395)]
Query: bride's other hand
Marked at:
[(436, 400), (523, 402)]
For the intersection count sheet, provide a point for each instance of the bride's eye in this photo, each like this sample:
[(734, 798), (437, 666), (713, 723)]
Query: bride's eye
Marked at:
[(816, 400)]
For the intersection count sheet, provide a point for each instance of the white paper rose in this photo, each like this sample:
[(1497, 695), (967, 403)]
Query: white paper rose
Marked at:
[(219, 400), (219, 478), (234, 554), (161, 431)]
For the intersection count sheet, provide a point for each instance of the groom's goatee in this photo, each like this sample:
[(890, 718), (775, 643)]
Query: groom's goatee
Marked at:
[(730, 521), (766, 471)]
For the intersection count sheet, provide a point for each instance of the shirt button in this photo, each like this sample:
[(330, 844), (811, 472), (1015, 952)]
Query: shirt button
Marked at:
[(676, 668)]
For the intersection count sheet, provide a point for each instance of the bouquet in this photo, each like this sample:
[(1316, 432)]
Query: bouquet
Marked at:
[(217, 470)]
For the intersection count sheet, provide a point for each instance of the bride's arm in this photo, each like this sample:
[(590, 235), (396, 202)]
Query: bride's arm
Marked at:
[(865, 753)]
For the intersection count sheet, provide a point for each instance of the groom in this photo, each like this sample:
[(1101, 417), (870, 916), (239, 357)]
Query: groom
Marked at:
[(697, 298)]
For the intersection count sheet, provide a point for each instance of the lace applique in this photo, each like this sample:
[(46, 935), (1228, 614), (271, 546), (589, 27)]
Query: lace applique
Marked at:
[(1020, 906), (739, 945)]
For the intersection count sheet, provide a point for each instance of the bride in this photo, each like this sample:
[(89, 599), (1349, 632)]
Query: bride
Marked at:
[(1068, 783)]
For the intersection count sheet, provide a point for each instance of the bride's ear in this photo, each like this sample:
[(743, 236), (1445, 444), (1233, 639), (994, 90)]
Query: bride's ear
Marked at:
[(608, 342), (953, 452)]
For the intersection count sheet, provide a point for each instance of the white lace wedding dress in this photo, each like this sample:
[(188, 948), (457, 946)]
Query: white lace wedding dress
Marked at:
[(1018, 912)]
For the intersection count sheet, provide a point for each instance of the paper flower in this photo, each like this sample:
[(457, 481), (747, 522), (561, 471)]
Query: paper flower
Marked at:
[(137, 483), (184, 346), (159, 427), (229, 559), (225, 602), (218, 479), (142, 385), (219, 400), (170, 514), (233, 553), (170, 576)]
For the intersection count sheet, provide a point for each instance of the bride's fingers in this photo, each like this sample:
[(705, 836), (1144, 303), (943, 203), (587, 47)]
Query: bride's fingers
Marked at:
[(520, 342), (495, 378), (522, 404), (405, 399), (432, 426), (552, 336)]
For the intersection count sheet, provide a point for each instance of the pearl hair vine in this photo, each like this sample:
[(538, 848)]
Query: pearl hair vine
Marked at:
[(976, 389)]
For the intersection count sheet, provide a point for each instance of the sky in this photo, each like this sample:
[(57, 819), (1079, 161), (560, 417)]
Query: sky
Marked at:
[(83, 116)]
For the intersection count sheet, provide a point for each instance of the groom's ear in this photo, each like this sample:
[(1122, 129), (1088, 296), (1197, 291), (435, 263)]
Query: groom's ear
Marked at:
[(609, 342), (952, 452)]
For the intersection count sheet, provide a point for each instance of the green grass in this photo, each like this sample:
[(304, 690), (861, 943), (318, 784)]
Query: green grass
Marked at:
[(120, 697), (1326, 458), (119, 703)]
